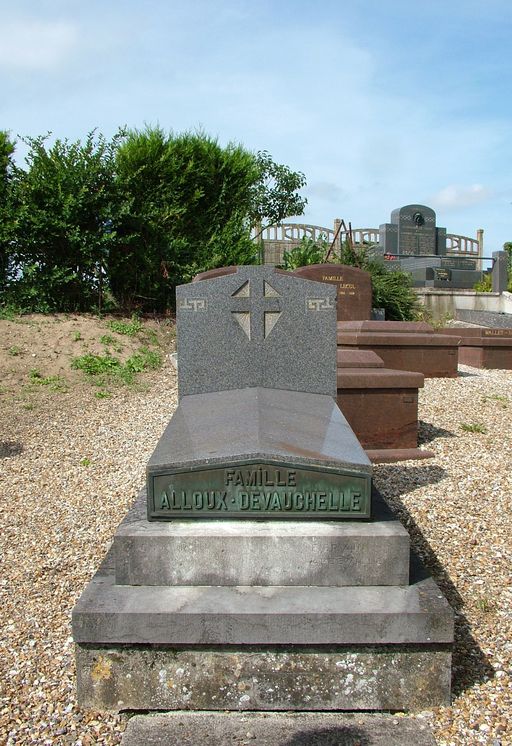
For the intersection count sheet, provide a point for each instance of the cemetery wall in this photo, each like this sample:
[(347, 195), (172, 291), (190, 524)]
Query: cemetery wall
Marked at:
[(442, 303)]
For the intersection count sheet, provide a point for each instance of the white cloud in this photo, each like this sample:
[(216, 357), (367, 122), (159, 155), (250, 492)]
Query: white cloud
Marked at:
[(453, 196), (30, 44)]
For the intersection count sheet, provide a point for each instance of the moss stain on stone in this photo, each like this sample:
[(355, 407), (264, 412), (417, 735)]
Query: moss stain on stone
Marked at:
[(101, 670)]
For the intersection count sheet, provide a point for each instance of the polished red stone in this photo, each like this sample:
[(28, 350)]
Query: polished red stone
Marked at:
[(483, 347), (354, 294), (402, 345), (381, 405)]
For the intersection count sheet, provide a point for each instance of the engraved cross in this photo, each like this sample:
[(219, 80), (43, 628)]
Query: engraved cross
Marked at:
[(256, 308)]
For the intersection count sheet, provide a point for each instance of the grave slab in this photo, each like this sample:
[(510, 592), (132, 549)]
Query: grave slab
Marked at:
[(407, 346), (280, 729), (483, 347), (257, 453)]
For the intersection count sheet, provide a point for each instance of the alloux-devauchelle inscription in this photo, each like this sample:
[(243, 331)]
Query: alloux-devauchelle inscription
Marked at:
[(258, 491)]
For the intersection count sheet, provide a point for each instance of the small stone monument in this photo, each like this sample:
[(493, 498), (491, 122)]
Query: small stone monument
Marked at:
[(413, 242), (259, 572), (353, 288)]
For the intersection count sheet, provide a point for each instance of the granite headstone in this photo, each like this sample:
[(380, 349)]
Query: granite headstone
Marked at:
[(256, 327), (412, 230), (353, 288)]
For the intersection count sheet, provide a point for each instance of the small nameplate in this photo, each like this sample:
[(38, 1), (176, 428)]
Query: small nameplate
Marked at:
[(258, 491), (442, 274), (497, 333)]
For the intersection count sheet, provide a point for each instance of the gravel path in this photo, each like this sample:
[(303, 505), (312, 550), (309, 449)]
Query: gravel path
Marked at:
[(70, 467)]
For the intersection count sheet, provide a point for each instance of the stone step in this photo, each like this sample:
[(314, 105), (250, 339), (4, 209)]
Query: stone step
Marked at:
[(276, 729), (108, 613), (261, 553)]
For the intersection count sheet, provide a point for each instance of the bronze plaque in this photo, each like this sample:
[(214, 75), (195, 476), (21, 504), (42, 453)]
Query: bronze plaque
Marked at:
[(258, 491)]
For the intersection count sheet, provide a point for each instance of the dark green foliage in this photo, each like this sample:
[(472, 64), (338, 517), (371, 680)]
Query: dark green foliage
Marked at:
[(184, 210), (65, 204), (6, 208), (392, 289), (121, 223), (275, 195)]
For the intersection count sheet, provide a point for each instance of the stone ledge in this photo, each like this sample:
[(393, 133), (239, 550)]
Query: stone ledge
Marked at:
[(185, 728), (241, 615), (349, 678), (261, 553)]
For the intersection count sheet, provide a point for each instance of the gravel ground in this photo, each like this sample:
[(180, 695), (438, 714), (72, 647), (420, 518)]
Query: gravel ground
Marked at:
[(71, 465)]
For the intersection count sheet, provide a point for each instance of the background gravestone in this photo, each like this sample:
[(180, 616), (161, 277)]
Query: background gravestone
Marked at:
[(413, 231), (353, 288), (256, 327)]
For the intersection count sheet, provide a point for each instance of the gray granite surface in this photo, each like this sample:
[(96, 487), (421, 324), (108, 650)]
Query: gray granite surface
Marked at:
[(256, 327), (241, 424)]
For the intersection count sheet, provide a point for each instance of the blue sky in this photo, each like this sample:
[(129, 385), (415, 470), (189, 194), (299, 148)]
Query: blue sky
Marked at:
[(380, 103)]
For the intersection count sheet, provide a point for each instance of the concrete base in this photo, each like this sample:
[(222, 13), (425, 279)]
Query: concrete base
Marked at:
[(278, 729), (261, 553), (337, 678)]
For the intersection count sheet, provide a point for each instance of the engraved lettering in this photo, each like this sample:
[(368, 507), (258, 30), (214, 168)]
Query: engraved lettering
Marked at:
[(356, 501), (164, 501), (276, 502)]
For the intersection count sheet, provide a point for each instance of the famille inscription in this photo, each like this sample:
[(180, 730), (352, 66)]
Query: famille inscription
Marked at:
[(258, 490), (344, 288)]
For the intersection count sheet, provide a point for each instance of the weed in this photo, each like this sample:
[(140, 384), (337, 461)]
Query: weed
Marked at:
[(151, 337), (473, 427), (28, 406), (77, 337), (54, 383), (102, 394), (14, 351), (107, 366), (96, 365), (107, 339), (485, 604), (496, 397), (85, 462), (128, 328), (10, 311)]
